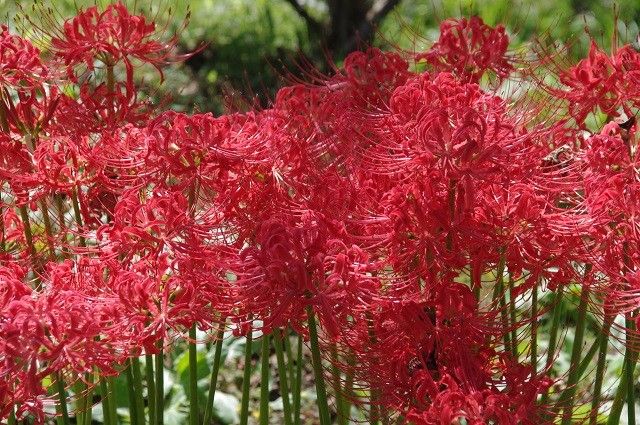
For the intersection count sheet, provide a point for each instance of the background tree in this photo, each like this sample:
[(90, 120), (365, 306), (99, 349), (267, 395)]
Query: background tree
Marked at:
[(347, 24)]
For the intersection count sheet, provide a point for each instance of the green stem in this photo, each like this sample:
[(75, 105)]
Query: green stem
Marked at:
[(297, 387), (80, 389), (83, 410), (282, 376), (374, 393), (133, 406), (627, 381), (3, 245), (106, 400), (622, 391), (500, 293), (137, 387), (62, 225), (348, 386), (12, 417), (159, 370), (85, 417), (246, 384), (208, 412), (373, 408), (28, 236), (384, 416), (566, 399), (110, 83), (110, 78), (151, 387), (4, 123), (337, 390), (630, 353), (64, 413), (534, 329), (629, 370), (264, 380), (111, 388), (193, 377), (48, 230), (78, 216), (476, 292), (512, 316), (603, 342), (558, 312), (586, 361), (62, 398), (290, 359), (321, 391), (88, 403)]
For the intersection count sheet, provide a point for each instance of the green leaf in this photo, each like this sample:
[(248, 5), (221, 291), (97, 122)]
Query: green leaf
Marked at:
[(182, 367)]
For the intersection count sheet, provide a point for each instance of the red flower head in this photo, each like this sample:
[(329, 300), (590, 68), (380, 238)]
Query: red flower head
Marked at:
[(468, 48), (609, 82), (592, 83), (20, 63), (112, 36)]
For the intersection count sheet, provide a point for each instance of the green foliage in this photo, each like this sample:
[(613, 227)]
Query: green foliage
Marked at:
[(557, 21), (244, 47)]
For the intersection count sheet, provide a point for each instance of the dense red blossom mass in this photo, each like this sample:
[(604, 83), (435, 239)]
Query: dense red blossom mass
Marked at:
[(399, 206)]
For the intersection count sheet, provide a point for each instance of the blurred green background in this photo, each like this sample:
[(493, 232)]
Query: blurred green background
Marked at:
[(249, 48)]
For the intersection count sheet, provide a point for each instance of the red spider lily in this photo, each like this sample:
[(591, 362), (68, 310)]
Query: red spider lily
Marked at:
[(171, 285), (146, 226), (20, 62), (372, 75), (16, 167), (199, 148), (481, 407), (612, 202), (112, 36), (62, 326), (440, 145), (436, 367), (469, 48), (386, 201), (593, 82), (278, 262), (12, 231), (32, 112), (48, 332), (607, 82)]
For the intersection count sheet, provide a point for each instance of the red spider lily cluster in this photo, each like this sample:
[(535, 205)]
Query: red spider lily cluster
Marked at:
[(408, 210)]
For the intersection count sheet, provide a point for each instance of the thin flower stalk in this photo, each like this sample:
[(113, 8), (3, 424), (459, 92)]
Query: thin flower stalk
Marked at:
[(264, 379), (213, 380), (246, 380), (285, 392)]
